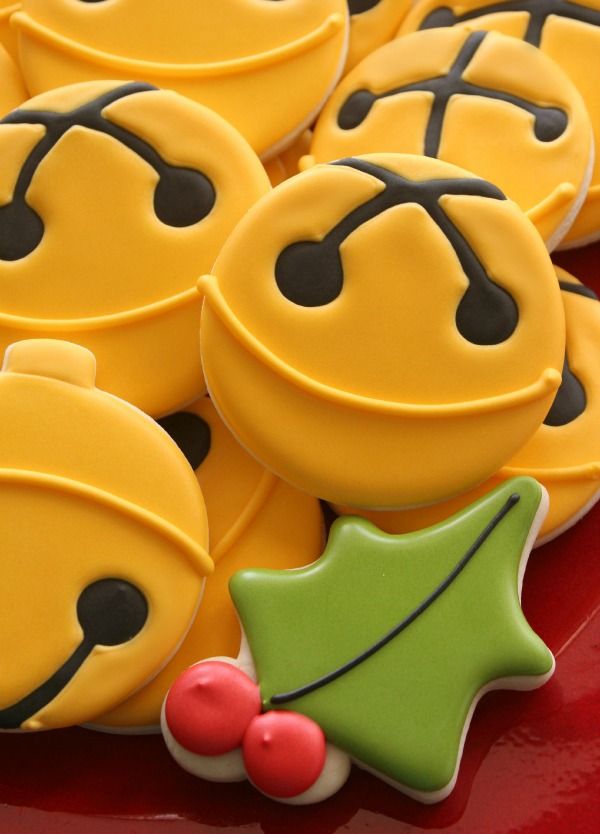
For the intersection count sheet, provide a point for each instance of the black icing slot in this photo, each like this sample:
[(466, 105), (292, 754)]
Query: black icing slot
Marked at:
[(578, 289), (570, 401), (311, 274), (191, 433), (111, 612), (183, 196), (286, 697), (549, 122), (360, 6), (539, 11)]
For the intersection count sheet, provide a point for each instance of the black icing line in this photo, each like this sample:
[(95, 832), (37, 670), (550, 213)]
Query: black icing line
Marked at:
[(539, 11), (486, 315), (191, 433), (13, 717), (570, 401), (360, 6), (578, 289), (183, 196), (110, 612), (550, 122), (286, 697)]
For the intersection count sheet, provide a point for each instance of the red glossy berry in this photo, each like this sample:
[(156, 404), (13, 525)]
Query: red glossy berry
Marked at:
[(284, 753), (209, 707)]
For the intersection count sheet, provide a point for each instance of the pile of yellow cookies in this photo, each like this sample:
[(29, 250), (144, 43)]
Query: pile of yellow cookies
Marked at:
[(257, 254)]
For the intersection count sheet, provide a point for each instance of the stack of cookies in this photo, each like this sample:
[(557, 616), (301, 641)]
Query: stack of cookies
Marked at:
[(262, 259)]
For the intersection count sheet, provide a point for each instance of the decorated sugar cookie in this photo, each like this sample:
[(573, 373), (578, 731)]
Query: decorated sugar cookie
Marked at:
[(104, 539), (388, 323), (287, 163), (564, 453), (457, 95), (12, 89), (265, 66), (7, 33), (255, 520), (114, 198), (568, 31), (391, 685), (372, 23)]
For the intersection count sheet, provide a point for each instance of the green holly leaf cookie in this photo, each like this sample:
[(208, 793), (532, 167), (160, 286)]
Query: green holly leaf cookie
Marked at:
[(387, 642)]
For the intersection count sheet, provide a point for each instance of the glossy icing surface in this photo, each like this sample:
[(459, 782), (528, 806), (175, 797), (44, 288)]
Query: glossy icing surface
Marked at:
[(568, 32), (385, 672), (78, 646), (12, 88), (254, 519), (284, 349), (238, 57), (564, 452), (540, 749), (8, 36), (455, 95), (372, 23), (124, 286)]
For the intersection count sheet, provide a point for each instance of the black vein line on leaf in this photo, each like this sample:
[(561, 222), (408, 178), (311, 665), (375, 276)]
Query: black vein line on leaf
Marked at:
[(286, 697), (539, 12), (549, 122)]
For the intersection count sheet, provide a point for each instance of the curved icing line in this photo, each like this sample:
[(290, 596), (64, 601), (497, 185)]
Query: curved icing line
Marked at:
[(548, 381), (561, 195), (324, 32), (408, 620), (196, 554), (9, 10), (246, 517), (185, 298), (584, 471)]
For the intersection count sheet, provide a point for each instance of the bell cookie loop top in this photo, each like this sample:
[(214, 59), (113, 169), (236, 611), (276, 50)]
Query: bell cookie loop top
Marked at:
[(105, 541)]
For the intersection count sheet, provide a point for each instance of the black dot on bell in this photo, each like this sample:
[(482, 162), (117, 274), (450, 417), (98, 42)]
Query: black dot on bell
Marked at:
[(111, 612)]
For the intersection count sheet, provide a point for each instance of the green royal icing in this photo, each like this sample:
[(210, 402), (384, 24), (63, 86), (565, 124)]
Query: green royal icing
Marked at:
[(402, 710)]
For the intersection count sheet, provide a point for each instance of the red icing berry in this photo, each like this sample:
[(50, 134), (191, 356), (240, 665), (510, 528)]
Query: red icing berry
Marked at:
[(210, 706), (284, 753)]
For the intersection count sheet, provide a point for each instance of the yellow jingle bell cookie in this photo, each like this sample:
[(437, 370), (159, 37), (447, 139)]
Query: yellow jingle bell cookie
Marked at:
[(113, 199), (255, 520), (486, 102), (372, 23), (266, 66), (564, 453), (568, 31), (12, 89), (8, 37), (104, 537), (390, 349)]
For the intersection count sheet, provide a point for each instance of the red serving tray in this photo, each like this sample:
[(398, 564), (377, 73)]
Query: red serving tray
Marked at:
[(531, 763)]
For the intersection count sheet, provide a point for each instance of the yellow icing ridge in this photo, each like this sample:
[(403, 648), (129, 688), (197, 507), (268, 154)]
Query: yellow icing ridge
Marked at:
[(246, 517), (9, 10), (584, 471), (549, 380), (157, 308), (330, 26), (196, 554)]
